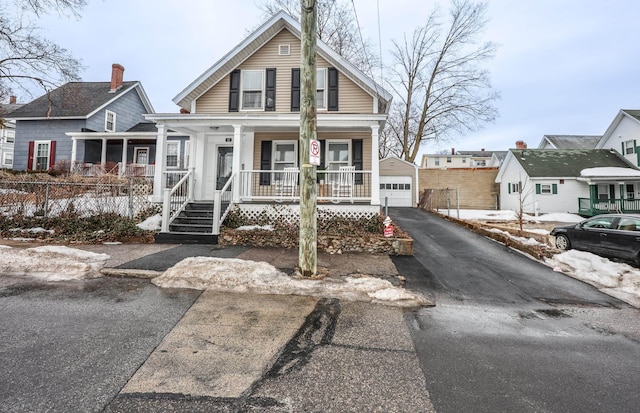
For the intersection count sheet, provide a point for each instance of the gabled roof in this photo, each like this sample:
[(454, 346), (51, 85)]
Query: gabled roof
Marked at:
[(254, 42), (477, 154), (548, 163), (631, 114), (7, 108), (571, 141), (395, 158), (77, 100)]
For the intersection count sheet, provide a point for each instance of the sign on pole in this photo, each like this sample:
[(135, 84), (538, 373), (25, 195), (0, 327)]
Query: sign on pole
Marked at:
[(314, 152)]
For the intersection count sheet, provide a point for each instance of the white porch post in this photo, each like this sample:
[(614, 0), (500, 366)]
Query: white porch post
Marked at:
[(161, 149), (74, 153), (237, 147), (103, 155), (375, 166), (123, 168)]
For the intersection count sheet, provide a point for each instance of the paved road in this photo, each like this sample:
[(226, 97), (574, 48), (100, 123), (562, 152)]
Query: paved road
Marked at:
[(509, 334)]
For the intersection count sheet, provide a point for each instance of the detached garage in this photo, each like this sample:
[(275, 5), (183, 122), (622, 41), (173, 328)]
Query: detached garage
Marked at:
[(398, 182)]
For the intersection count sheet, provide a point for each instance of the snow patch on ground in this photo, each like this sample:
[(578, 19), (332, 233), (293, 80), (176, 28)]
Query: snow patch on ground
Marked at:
[(616, 279), (230, 274), (153, 223), (51, 263)]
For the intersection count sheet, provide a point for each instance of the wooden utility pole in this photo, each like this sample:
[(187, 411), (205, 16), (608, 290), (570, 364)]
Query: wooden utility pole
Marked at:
[(308, 252)]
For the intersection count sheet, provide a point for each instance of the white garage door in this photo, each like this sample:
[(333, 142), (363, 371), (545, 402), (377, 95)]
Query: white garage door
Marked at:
[(397, 190)]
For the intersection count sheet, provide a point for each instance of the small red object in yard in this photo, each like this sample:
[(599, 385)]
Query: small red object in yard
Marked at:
[(388, 231)]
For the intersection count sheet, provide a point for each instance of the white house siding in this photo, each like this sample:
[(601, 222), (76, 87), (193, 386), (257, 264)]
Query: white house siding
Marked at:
[(627, 130), (352, 99)]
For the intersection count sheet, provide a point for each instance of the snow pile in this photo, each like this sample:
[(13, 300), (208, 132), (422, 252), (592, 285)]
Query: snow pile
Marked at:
[(153, 223), (254, 227), (522, 240), (51, 263), (508, 215), (616, 279), (230, 274), (610, 171)]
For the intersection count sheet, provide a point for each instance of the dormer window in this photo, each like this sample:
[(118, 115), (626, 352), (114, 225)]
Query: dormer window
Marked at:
[(252, 87), (109, 121)]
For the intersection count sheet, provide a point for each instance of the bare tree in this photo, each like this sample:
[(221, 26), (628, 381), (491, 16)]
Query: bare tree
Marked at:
[(28, 59), (336, 26), (439, 85)]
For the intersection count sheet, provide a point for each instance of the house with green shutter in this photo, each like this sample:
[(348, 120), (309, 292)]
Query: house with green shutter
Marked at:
[(581, 181), (623, 135), (242, 116)]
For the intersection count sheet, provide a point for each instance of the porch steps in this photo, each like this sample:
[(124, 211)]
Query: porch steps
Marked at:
[(192, 226)]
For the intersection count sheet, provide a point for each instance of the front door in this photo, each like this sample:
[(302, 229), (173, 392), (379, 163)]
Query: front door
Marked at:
[(224, 164), (141, 156)]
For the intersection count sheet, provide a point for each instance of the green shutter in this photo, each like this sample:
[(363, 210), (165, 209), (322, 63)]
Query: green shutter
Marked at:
[(612, 192), (554, 189), (593, 189), (509, 187), (622, 151), (538, 189), (634, 146)]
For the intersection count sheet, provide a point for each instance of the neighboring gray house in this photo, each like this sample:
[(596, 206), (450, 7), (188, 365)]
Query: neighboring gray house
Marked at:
[(99, 111), (7, 133), (569, 142)]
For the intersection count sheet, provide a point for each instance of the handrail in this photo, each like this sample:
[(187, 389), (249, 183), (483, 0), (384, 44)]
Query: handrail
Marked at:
[(173, 204), (218, 218)]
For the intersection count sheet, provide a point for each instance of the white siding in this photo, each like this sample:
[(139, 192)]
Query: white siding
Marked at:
[(627, 130)]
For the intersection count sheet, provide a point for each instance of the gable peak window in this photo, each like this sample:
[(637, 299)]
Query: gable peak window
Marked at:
[(284, 49), (252, 85), (109, 121)]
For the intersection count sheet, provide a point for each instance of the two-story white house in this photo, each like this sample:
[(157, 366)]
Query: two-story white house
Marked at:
[(7, 133)]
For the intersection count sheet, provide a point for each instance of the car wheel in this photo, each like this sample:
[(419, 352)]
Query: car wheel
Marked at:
[(562, 242)]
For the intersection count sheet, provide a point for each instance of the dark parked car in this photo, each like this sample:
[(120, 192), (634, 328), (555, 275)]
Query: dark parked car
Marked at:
[(609, 235)]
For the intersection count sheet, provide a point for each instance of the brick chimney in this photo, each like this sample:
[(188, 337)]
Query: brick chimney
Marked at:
[(521, 145), (453, 151), (117, 73), (12, 100)]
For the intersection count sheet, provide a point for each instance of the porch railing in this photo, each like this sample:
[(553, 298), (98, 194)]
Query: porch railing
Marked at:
[(331, 186), (176, 198), (222, 202), (590, 207)]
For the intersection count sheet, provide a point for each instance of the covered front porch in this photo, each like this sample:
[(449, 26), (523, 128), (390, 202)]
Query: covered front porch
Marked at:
[(611, 190), (240, 159)]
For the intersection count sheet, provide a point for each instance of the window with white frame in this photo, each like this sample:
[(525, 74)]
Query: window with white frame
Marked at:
[(41, 158), (173, 149), (603, 191), (109, 121), (284, 154), (8, 158), (437, 162), (515, 187), (11, 137), (338, 154), (628, 147), (545, 189), (321, 86), (284, 49), (631, 191), (252, 89)]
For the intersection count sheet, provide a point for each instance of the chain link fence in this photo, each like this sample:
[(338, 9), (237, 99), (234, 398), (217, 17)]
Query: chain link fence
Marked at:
[(54, 199)]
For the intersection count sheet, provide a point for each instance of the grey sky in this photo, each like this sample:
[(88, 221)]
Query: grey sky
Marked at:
[(562, 67)]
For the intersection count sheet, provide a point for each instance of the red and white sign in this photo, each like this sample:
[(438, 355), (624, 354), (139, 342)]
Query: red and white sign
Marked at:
[(314, 152)]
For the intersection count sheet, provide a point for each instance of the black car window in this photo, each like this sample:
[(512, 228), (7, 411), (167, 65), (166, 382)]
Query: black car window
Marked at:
[(629, 224), (599, 222)]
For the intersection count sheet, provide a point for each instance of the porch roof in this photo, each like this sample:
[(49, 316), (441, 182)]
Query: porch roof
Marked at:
[(609, 174), (192, 123)]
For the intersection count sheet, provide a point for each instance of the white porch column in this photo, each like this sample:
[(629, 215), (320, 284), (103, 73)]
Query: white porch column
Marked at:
[(161, 149), (375, 166), (123, 168), (74, 152), (103, 155), (237, 151)]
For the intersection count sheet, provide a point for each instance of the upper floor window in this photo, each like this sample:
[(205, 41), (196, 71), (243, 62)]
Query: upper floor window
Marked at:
[(252, 85), (109, 121), (628, 147), (284, 49), (545, 189), (437, 162), (448, 159), (11, 137), (321, 85)]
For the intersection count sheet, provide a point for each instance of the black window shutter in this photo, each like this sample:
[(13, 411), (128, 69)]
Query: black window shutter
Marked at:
[(234, 91), (356, 155), (295, 90), (270, 91), (612, 192), (333, 89), (265, 162)]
